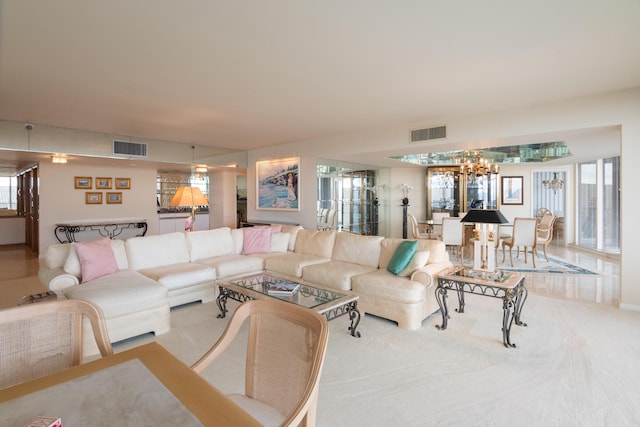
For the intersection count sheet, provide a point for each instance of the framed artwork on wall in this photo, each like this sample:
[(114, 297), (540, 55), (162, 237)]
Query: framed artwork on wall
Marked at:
[(114, 198), (277, 184), (123, 183), (511, 190), (103, 183), (91, 198), (82, 182)]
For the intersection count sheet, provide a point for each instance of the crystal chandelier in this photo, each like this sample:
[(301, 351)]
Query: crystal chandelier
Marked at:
[(478, 167), (554, 184)]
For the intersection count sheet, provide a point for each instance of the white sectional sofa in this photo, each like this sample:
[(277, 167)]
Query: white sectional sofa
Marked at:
[(154, 273)]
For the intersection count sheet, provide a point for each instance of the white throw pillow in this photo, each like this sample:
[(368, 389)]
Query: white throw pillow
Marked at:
[(72, 264), (279, 242), (418, 260)]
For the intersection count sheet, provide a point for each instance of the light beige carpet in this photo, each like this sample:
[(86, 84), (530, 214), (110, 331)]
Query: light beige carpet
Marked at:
[(576, 364)]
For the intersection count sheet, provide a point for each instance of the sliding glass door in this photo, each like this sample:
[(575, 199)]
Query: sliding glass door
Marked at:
[(598, 204)]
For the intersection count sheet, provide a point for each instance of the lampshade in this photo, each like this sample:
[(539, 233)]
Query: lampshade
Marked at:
[(188, 196), (485, 216)]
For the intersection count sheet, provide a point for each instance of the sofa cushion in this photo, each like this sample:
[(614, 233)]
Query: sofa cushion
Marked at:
[(384, 285), (293, 233), (96, 258), (256, 240), (357, 249), (209, 243), (418, 260), (72, 263), (334, 274), (238, 236), (279, 242), (234, 265), (291, 263), (316, 243), (157, 251), (176, 276), (401, 257), (121, 293), (56, 255)]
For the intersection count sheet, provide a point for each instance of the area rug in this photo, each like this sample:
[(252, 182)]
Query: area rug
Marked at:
[(555, 265)]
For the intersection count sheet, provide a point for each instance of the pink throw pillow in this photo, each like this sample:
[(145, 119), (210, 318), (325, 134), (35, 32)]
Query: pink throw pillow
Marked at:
[(96, 259), (276, 229), (256, 240)]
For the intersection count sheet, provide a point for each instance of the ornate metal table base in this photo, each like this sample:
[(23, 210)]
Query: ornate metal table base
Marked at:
[(66, 233), (350, 308), (513, 299)]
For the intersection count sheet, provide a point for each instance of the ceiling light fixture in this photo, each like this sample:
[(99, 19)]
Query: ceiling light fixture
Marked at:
[(59, 159), (478, 166), (554, 184)]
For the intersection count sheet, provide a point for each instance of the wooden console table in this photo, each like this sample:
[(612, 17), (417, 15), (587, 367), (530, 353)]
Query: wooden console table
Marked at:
[(111, 228)]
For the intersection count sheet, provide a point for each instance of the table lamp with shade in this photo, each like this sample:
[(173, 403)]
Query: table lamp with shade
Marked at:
[(484, 219), (190, 197)]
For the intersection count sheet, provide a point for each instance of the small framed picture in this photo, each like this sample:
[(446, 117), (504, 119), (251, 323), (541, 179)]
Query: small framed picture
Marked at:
[(83, 182), (114, 198), (512, 190), (123, 183), (91, 198), (103, 183)]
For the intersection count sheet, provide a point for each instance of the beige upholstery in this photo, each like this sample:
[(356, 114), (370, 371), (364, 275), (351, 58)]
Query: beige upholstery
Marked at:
[(285, 354), (453, 234), (545, 232), (42, 338), (415, 228), (524, 234)]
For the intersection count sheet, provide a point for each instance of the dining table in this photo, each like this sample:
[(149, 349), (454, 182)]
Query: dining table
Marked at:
[(142, 386)]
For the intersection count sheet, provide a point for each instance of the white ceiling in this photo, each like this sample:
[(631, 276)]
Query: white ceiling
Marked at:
[(245, 74)]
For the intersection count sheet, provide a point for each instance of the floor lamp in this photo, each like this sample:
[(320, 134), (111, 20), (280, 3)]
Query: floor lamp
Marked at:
[(484, 233), (190, 197)]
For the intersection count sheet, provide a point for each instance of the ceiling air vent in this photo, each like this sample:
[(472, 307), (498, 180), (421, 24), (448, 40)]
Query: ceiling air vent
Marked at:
[(126, 148), (419, 135)]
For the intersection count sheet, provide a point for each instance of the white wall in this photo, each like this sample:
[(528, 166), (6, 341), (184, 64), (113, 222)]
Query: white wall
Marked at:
[(12, 230), (60, 202)]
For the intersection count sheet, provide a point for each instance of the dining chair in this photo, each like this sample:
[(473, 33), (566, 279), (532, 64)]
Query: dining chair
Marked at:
[(42, 338), (284, 358), (544, 233), (453, 234), (415, 228), (524, 234), (437, 222)]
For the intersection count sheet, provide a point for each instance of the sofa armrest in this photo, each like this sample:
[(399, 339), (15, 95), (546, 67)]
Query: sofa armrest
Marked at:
[(425, 274), (57, 280)]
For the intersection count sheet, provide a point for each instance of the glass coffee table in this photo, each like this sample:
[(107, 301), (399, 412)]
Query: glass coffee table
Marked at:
[(330, 304), (507, 286)]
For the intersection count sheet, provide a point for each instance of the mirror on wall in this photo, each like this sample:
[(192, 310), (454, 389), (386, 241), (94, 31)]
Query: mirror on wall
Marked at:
[(450, 191), (351, 197)]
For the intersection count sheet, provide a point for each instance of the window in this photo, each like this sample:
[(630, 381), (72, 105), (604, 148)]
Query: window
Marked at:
[(598, 205), (8, 192)]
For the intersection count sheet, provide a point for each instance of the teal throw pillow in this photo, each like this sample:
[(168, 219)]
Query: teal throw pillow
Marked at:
[(402, 256)]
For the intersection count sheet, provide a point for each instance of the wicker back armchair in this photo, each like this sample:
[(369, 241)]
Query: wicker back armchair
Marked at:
[(285, 354), (43, 338)]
